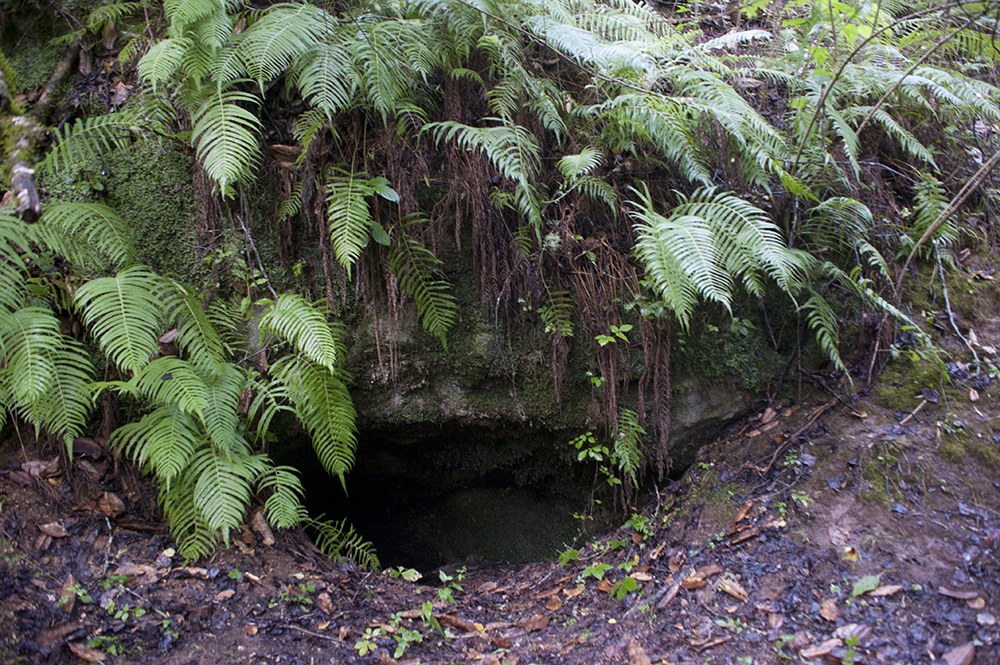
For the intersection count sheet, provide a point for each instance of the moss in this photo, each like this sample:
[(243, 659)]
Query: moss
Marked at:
[(149, 185), (902, 380)]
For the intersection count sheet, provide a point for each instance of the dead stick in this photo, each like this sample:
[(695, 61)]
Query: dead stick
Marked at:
[(913, 413), (955, 204), (793, 438), (312, 634)]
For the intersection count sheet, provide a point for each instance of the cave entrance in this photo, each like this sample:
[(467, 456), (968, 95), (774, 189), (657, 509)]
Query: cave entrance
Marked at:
[(447, 495)]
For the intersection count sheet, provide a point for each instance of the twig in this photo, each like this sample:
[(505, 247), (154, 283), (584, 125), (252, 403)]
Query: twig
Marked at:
[(795, 437), (913, 413), (312, 634), (971, 186), (947, 304)]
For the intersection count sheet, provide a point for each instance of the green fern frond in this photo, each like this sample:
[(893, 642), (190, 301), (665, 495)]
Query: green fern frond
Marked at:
[(324, 406), (418, 271), (348, 214), (584, 163), (285, 33), (557, 314), (705, 242), (79, 231), (221, 414), (63, 407), (87, 138), (15, 235), (304, 326), (163, 442), (125, 313), (164, 59), (340, 542), (628, 445), (172, 381), (195, 538), (824, 324), (283, 507), (222, 491), (905, 139), (196, 335), (225, 135), (326, 79), (30, 342)]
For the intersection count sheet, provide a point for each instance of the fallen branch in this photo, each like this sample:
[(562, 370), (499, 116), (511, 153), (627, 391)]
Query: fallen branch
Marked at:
[(956, 203)]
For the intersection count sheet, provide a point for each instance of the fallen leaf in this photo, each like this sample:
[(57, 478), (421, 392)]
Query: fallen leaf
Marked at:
[(486, 587), (839, 536), (54, 530), (324, 603), (733, 589), (886, 590), (976, 603), (605, 586), (323, 626), (462, 623), (251, 629), (67, 594), (930, 395), (676, 561), (853, 630), (554, 604), (110, 505), (83, 653), (956, 594), (767, 417), (743, 512), (43, 469), (973, 395), (224, 595), (573, 593), (866, 584), (820, 649), (642, 577), (960, 655), (828, 609), (535, 623), (636, 654), (775, 620)]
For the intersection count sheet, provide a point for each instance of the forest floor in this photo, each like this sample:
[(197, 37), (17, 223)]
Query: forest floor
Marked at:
[(818, 531)]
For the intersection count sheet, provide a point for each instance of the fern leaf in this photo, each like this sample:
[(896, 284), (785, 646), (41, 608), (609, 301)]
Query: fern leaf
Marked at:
[(417, 267), (29, 341), (222, 491), (584, 163), (348, 214), (76, 229), (557, 314), (824, 324), (340, 542), (124, 313), (170, 380), (162, 62), (87, 138), (285, 33), (283, 507), (163, 442), (296, 320), (195, 538), (220, 414), (225, 135), (195, 333), (628, 445), (324, 406), (66, 403)]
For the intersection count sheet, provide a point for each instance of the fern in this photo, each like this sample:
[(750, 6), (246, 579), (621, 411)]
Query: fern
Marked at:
[(707, 241), (196, 334), (416, 267), (323, 404), (628, 446), (125, 314), (339, 541), (29, 341), (824, 324), (284, 506), (87, 138), (225, 135), (172, 381), (557, 314), (348, 214), (163, 442), (76, 230), (63, 407), (304, 326)]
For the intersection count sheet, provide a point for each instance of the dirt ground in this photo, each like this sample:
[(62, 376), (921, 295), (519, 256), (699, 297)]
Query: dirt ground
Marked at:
[(818, 532)]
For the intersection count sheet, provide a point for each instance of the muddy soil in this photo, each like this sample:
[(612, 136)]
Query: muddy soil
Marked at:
[(821, 531)]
